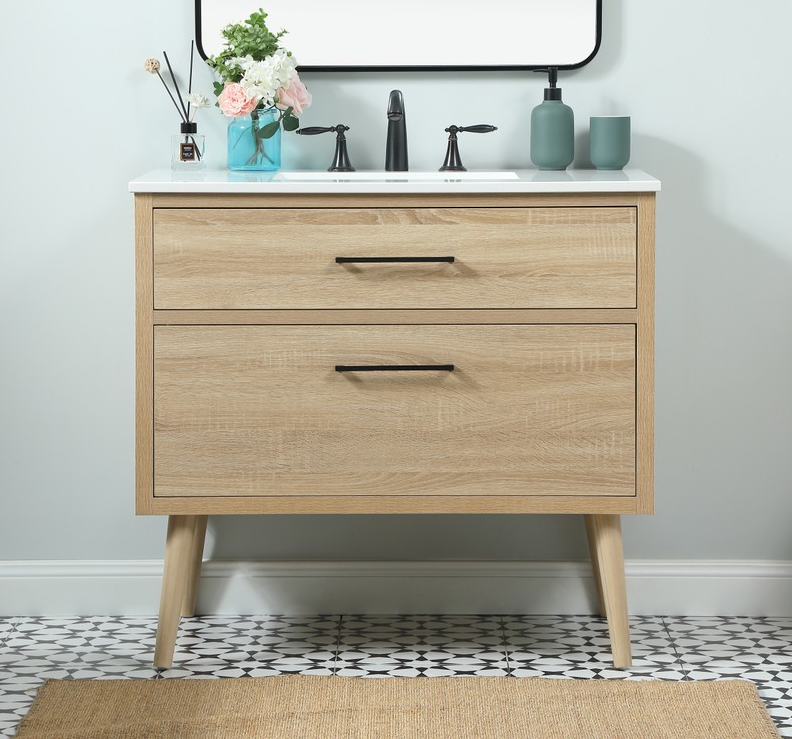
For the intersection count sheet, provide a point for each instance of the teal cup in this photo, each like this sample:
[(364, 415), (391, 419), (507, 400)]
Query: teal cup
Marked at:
[(610, 141)]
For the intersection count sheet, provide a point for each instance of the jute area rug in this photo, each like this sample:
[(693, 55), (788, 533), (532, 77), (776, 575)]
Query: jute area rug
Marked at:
[(315, 707)]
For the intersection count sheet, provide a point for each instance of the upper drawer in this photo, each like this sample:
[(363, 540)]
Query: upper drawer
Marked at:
[(208, 258)]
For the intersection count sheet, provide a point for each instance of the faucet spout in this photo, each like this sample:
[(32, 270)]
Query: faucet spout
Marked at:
[(396, 144)]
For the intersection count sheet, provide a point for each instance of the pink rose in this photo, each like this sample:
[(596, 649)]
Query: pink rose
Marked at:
[(236, 100), (294, 96)]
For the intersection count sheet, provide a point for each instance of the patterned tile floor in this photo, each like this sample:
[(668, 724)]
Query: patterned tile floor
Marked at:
[(665, 648)]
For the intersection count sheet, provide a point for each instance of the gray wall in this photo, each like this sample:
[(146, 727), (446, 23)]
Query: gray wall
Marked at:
[(707, 84)]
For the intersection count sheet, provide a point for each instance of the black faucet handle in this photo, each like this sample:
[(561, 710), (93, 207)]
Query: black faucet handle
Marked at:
[(341, 161), (313, 130), (479, 128)]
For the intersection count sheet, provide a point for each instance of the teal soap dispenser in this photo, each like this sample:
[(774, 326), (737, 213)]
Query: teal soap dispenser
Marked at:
[(552, 128)]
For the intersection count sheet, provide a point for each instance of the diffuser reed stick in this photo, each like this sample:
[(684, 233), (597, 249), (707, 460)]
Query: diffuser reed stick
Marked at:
[(153, 67), (189, 83), (175, 85)]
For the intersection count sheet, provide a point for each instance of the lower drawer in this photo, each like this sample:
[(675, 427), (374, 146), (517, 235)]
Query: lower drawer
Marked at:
[(262, 410)]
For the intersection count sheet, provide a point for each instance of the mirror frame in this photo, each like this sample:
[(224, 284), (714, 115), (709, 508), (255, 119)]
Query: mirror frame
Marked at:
[(423, 68)]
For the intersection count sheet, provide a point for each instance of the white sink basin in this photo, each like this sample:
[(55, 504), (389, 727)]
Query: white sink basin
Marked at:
[(377, 176)]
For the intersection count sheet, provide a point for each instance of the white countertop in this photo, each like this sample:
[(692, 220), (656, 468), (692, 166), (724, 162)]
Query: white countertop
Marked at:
[(288, 182)]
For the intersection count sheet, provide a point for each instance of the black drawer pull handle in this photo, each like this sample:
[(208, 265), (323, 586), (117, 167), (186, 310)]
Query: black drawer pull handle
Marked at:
[(349, 260), (394, 367)]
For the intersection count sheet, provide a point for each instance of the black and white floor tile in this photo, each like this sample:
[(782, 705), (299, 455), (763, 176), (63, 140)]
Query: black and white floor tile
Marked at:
[(413, 646), (664, 648), (579, 647)]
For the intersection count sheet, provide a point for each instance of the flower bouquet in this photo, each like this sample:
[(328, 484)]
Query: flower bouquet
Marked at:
[(259, 89)]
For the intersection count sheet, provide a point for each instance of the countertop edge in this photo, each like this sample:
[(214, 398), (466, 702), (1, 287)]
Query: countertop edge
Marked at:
[(528, 181)]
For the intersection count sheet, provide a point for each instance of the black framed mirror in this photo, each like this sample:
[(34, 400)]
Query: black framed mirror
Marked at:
[(418, 35)]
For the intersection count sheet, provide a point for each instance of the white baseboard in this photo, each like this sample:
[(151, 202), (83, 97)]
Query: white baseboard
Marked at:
[(656, 587)]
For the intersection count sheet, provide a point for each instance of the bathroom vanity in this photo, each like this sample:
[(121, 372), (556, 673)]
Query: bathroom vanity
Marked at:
[(412, 345)]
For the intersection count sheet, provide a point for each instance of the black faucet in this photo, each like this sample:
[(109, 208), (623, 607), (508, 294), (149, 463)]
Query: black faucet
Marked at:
[(452, 161), (396, 145)]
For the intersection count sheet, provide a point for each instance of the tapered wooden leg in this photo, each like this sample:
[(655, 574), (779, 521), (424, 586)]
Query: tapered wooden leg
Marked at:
[(595, 564), (605, 538), (196, 556), (175, 578)]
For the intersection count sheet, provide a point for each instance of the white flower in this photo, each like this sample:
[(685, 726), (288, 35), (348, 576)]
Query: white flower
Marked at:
[(287, 67), (243, 62), (260, 82), (197, 100), (264, 78)]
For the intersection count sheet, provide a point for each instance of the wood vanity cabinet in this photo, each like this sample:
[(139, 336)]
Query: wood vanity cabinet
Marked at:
[(395, 353)]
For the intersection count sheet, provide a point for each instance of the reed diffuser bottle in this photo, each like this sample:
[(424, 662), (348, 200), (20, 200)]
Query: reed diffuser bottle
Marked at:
[(187, 148)]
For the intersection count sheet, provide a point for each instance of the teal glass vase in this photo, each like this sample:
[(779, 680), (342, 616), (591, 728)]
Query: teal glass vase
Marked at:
[(249, 146)]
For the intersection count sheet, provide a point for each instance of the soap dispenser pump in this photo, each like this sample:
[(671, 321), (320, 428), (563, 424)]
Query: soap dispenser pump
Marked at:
[(552, 128)]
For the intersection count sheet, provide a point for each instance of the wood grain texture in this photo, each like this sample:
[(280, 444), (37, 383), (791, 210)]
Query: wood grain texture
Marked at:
[(285, 258), (646, 352), (392, 504), (605, 538), (196, 562), (529, 410), (395, 200), (641, 317), (403, 317), (175, 584), (595, 563), (144, 397)]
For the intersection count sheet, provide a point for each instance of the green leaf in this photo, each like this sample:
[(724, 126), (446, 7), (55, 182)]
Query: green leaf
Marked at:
[(268, 131), (249, 37), (290, 122)]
